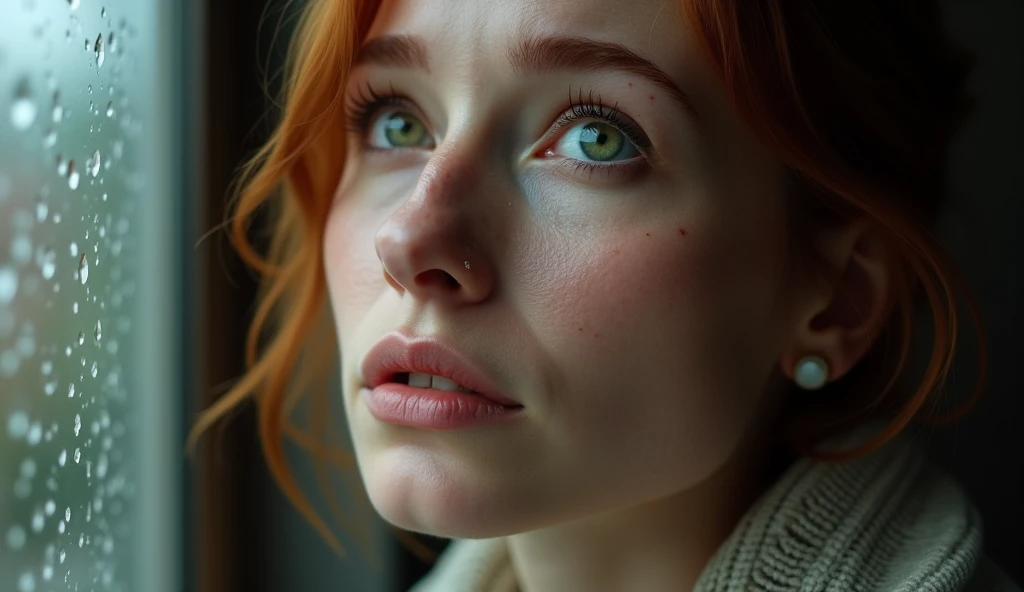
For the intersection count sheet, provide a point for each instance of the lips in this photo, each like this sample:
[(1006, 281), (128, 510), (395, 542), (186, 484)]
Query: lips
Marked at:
[(396, 354)]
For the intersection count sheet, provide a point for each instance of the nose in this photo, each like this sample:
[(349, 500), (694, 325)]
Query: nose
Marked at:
[(433, 245)]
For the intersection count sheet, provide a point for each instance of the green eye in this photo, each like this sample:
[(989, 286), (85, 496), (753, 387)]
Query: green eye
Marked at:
[(404, 130), (600, 141)]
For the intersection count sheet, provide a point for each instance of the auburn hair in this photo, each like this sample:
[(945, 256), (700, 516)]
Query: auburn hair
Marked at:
[(858, 100)]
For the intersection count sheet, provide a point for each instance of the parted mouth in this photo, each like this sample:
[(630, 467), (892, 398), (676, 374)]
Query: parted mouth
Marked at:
[(427, 363), (425, 380)]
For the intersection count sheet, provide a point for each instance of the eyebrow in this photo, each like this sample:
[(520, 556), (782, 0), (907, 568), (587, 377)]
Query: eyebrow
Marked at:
[(533, 54)]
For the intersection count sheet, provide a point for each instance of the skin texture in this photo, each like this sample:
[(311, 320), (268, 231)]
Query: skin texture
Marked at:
[(648, 321)]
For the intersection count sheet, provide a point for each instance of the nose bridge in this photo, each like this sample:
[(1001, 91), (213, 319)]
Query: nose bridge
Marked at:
[(451, 172), (441, 227)]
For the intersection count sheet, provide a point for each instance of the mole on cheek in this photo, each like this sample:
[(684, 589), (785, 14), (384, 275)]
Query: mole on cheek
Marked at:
[(682, 232), (652, 97)]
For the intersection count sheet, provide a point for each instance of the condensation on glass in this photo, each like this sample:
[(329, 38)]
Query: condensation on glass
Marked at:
[(69, 187)]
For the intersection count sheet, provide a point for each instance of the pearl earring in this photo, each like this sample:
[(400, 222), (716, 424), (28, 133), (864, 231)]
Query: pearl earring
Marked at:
[(811, 372)]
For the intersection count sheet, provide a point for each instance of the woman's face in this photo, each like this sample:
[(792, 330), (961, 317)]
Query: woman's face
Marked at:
[(605, 241)]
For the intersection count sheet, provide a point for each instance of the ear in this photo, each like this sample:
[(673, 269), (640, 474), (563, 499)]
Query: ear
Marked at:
[(842, 318)]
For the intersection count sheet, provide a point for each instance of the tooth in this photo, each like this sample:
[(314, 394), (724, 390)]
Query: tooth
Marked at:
[(442, 383), (419, 379)]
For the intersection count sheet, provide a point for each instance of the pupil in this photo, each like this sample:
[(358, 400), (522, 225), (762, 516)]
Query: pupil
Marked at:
[(597, 143)]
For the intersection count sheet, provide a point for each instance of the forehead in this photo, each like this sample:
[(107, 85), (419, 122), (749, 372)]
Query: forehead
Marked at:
[(655, 29)]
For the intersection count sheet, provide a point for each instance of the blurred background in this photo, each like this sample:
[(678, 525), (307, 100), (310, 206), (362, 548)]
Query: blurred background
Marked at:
[(123, 308)]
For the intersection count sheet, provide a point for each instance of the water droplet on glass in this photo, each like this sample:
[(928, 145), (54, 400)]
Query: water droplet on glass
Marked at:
[(17, 425), (62, 458), (118, 149), (63, 554), (94, 164), (27, 582), (73, 176), (38, 521), (78, 454), (73, 248), (100, 53), (94, 370), (110, 109), (50, 139), (28, 468), (103, 12), (8, 284), (78, 424), (71, 390), (74, 307), (50, 507), (83, 268), (47, 573), (60, 527), (23, 109), (58, 109), (81, 338), (48, 263), (62, 165), (16, 537), (21, 249), (74, 4), (42, 209), (46, 368), (35, 434), (89, 88), (67, 514), (98, 330)]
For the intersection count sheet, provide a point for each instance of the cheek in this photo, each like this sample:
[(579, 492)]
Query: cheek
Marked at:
[(353, 272), (669, 318)]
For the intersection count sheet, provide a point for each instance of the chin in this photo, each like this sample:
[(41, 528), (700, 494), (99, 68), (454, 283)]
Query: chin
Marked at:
[(427, 498)]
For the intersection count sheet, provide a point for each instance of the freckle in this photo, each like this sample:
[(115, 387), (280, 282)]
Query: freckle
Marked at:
[(652, 97), (648, 234), (631, 84), (581, 328), (597, 335), (682, 232)]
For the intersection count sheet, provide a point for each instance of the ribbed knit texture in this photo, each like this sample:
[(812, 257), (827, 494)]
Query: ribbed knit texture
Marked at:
[(888, 521)]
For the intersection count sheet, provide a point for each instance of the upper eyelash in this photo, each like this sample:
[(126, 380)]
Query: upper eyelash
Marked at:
[(596, 110), (361, 110)]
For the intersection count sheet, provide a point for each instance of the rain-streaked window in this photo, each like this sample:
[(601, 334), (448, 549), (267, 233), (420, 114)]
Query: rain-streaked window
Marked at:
[(78, 143)]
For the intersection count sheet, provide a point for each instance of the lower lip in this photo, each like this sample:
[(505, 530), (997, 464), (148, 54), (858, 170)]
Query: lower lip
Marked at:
[(434, 409)]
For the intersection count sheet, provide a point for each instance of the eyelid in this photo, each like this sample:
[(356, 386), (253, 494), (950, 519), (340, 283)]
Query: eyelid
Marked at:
[(591, 109)]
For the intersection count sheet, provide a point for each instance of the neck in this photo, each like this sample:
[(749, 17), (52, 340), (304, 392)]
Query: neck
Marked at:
[(659, 545)]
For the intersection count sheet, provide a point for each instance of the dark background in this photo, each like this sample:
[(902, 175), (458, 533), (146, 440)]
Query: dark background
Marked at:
[(243, 535)]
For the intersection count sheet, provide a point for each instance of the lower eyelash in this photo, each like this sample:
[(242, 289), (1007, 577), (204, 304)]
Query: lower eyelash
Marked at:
[(606, 169)]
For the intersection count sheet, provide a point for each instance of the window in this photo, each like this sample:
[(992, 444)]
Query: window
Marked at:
[(89, 430)]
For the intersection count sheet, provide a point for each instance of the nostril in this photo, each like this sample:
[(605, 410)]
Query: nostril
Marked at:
[(436, 275)]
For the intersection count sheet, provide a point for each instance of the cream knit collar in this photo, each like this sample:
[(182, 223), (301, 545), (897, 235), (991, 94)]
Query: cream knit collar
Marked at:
[(887, 521)]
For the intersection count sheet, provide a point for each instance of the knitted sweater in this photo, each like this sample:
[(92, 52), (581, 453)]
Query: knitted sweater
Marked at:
[(889, 521)]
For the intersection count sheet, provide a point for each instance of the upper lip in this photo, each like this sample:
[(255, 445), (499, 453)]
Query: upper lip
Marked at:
[(396, 353)]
